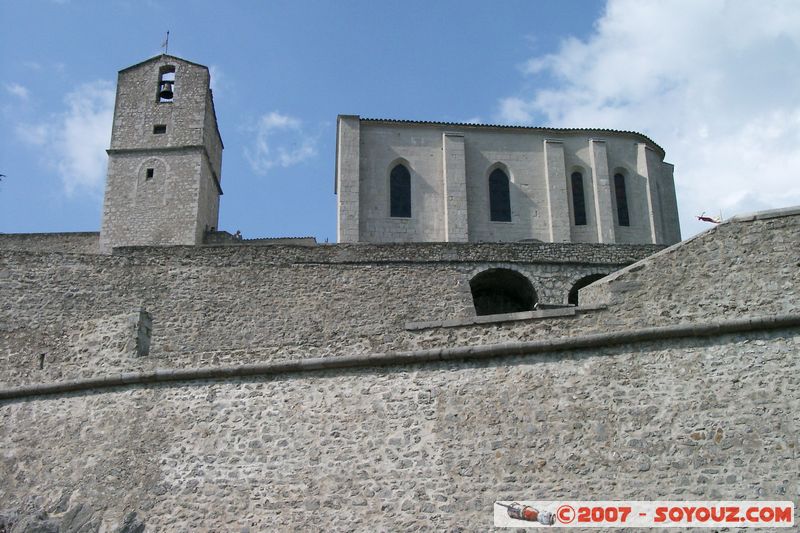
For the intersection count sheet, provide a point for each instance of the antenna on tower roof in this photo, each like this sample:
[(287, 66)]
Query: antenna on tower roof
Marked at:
[(165, 44)]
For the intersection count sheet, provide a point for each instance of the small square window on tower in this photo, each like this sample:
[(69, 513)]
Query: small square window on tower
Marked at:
[(150, 173), (158, 129)]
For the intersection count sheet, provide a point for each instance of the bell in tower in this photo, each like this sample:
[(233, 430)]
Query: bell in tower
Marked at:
[(166, 84), (165, 91)]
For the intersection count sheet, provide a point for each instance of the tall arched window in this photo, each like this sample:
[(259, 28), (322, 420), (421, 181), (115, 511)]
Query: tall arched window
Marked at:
[(166, 83), (499, 197), (622, 200), (578, 201), (400, 192)]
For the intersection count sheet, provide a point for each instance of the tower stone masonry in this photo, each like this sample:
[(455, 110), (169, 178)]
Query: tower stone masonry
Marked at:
[(165, 160)]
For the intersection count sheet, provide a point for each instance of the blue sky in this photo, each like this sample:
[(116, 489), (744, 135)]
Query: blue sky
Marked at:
[(713, 82)]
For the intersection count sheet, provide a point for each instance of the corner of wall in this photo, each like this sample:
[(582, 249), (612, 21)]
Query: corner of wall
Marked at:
[(348, 153)]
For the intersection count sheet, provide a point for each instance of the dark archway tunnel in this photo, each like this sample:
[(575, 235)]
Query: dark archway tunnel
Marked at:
[(581, 283), (500, 290)]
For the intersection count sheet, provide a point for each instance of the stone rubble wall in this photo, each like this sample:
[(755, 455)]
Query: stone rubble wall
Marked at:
[(420, 446), (428, 447), (221, 305), (747, 266), (241, 304), (76, 243), (577, 253)]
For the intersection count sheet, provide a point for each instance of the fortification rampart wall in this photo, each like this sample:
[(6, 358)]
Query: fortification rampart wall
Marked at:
[(702, 416), (239, 305), (747, 266), (247, 304), (425, 446)]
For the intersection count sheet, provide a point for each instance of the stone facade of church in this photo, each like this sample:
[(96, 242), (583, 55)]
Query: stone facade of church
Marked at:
[(476, 183)]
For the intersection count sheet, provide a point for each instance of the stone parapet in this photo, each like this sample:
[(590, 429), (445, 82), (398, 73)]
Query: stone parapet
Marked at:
[(75, 243)]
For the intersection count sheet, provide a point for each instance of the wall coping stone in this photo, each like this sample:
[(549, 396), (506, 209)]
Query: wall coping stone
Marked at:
[(764, 215), (499, 318), (54, 234)]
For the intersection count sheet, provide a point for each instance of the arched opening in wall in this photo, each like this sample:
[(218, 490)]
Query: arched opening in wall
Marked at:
[(623, 218), (581, 283), (499, 196), (166, 84), (500, 290), (578, 200), (400, 192)]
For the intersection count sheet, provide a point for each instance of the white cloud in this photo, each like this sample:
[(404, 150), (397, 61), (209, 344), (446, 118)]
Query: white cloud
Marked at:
[(17, 90), (75, 140), (280, 141), (36, 134), (713, 82), (513, 109)]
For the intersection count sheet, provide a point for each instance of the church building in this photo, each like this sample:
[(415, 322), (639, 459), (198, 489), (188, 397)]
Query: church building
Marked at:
[(407, 181)]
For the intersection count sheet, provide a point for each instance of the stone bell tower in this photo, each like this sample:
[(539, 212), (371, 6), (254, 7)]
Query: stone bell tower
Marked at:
[(165, 160)]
